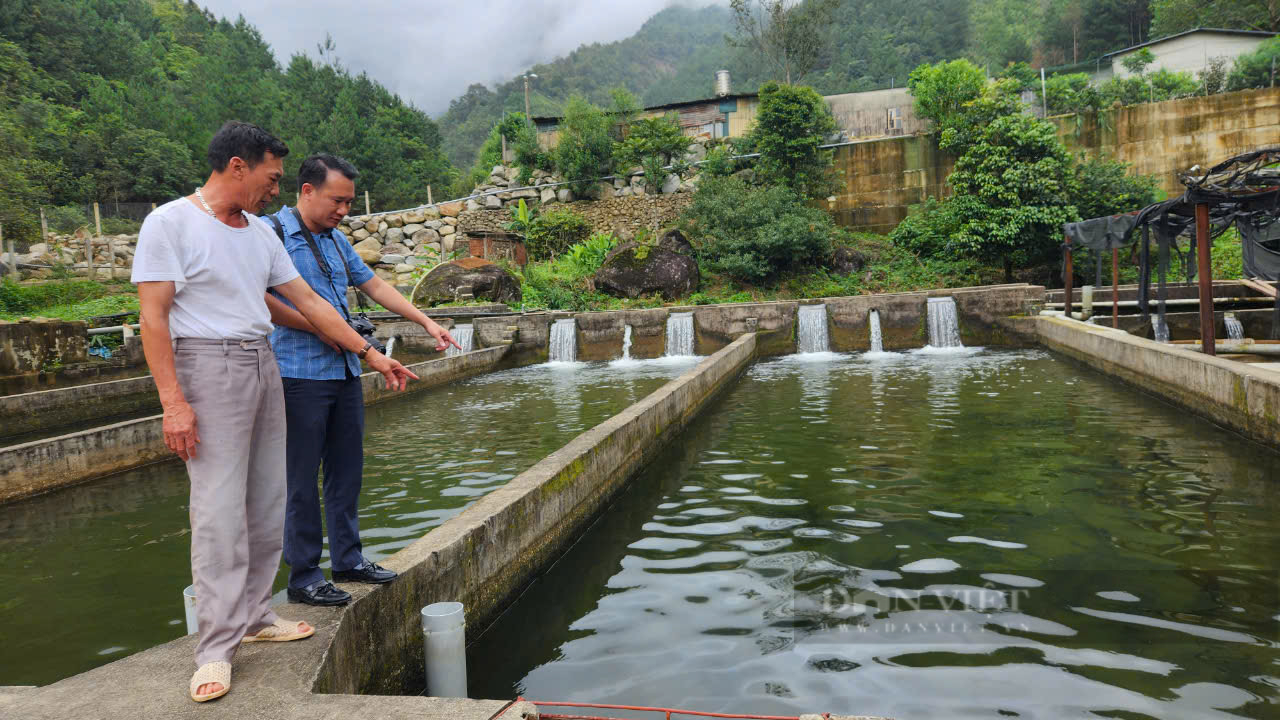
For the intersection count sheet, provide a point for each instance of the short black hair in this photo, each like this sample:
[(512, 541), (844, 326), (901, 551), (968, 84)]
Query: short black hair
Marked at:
[(315, 169), (245, 141)]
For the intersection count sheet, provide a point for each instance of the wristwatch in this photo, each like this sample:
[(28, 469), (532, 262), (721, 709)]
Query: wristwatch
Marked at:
[(364, 350)]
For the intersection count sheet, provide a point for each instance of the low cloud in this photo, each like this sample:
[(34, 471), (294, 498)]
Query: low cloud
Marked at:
[(429, 52)]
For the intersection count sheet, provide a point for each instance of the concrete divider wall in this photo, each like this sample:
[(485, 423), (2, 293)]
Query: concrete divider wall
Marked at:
[(486, 555), (1229, 393), (45, 465), (48, 409)]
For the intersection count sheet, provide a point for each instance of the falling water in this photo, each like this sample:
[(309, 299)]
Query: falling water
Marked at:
[(944, 328), (1160, 329), (626, 343), (1235, 330), (811, 329), (564, 341), (391, 343), (877, 340), (680, 334), (466, 337)]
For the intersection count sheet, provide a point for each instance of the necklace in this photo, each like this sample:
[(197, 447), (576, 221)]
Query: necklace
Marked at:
[(207, 209)]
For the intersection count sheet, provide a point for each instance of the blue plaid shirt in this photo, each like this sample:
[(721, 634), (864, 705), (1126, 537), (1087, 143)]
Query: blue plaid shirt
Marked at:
[(301, 354)]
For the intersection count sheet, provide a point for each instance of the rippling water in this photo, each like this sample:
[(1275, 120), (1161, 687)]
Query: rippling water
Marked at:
[(977, 534), (99, 568)]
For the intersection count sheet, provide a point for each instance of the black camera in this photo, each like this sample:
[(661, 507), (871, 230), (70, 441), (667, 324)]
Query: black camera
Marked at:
[(365, 329)]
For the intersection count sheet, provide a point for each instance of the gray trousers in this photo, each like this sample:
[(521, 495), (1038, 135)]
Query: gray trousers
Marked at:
[(237, 486)]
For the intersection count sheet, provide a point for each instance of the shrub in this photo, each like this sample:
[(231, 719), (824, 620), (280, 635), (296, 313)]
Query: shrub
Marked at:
[(652, 143), (585, 151), (16, 298), (1254, 70), (754, 234), (790, 127), (587, 257), (554, 232), (927, 231), (1104, 187)]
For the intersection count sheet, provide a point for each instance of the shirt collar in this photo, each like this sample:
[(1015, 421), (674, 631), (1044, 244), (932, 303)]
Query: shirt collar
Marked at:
[(292, 227)]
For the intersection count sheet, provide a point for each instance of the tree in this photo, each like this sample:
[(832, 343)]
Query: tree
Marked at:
[(1175, 16), (941, 90), (652, 143), (791, 34), (1256, 69), (791, 125), (585, 151)]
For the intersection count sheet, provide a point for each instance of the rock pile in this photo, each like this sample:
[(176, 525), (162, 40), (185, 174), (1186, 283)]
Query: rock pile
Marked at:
[(71, 252), (395, 243)]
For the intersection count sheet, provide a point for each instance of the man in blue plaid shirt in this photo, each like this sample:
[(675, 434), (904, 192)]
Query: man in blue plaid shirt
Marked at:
[(324, 405)]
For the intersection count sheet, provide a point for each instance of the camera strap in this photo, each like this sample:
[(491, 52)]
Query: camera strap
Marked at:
[(324, 266)]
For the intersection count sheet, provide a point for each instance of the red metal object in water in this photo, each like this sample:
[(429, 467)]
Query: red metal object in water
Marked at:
[(667, 712)]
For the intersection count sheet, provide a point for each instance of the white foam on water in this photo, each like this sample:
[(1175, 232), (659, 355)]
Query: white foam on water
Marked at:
[(1012, 580), (1118, 595), (984, 541), (945, 514), (931, 566)]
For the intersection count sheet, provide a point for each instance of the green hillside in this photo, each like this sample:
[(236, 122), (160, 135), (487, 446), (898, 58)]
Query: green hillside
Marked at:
[(117, 100)]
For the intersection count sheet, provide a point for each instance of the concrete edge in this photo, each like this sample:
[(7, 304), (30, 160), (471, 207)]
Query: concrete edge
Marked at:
[(1228, 393), (47, 409), (44, 465), (490, 552)]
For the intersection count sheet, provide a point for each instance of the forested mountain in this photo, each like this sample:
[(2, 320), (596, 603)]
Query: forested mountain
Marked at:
[(117, 100)]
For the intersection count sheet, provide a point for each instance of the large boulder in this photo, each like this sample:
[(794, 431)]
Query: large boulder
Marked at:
[(631, 270), (846, 260), (486, 280)]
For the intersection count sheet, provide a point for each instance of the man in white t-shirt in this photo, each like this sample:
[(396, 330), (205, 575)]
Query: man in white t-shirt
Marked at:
[(202, 268)]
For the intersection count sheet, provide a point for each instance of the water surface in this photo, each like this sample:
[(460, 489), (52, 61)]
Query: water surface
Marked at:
[(964, 534), (99, 568)]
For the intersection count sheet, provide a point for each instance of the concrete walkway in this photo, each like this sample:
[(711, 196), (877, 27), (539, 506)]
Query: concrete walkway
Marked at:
[(269, 680)]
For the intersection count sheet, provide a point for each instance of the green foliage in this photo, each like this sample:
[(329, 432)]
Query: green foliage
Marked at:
[(790, 36), (1137, 62), (790, 127), (587, 257), (940, 91), (753, 234), (1071, 93), (118, 100), (552, 233), (524, 141), (1104, 187), (585, 151), (1254, 70), (521, 218), (17, 299), (1174, 16), (929, 229), (1226, 256), (718, 163), (652, 143)]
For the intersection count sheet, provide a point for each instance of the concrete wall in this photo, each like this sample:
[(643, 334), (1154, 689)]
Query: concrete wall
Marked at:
[(484, 556), (38, 411), (885, 177), (1231, 394), (981, 311), (44, 465), (1164, 138), (27, 346)]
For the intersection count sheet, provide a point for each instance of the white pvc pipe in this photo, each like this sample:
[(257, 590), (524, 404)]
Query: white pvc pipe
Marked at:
[(445, 650), (1086, 301), (189, 604)]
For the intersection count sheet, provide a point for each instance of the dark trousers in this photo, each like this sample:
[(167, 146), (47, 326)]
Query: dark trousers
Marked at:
[(325, 423)]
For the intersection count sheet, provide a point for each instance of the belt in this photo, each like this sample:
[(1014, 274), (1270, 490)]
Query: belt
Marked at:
[(226, 345)]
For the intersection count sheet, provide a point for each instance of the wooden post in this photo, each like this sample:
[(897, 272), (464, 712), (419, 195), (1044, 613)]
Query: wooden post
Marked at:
[(1115, 287), (367, 211), (13, 257), (153, 207), (44, 226), (1208, 341), (88, 246), (1066, 276), (430, 201)]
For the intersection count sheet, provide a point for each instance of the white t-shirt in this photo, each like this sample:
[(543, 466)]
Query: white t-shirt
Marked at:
[(220, 273)]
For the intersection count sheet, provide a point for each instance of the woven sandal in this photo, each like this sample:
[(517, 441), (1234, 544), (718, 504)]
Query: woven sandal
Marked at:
[(281, 631), (214, 672)]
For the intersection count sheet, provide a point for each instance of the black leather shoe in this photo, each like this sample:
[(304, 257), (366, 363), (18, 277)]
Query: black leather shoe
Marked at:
[(369, 572), (320, 592)]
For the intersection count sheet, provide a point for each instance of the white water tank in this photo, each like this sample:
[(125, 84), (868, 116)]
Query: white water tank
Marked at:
[(722, 83)]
